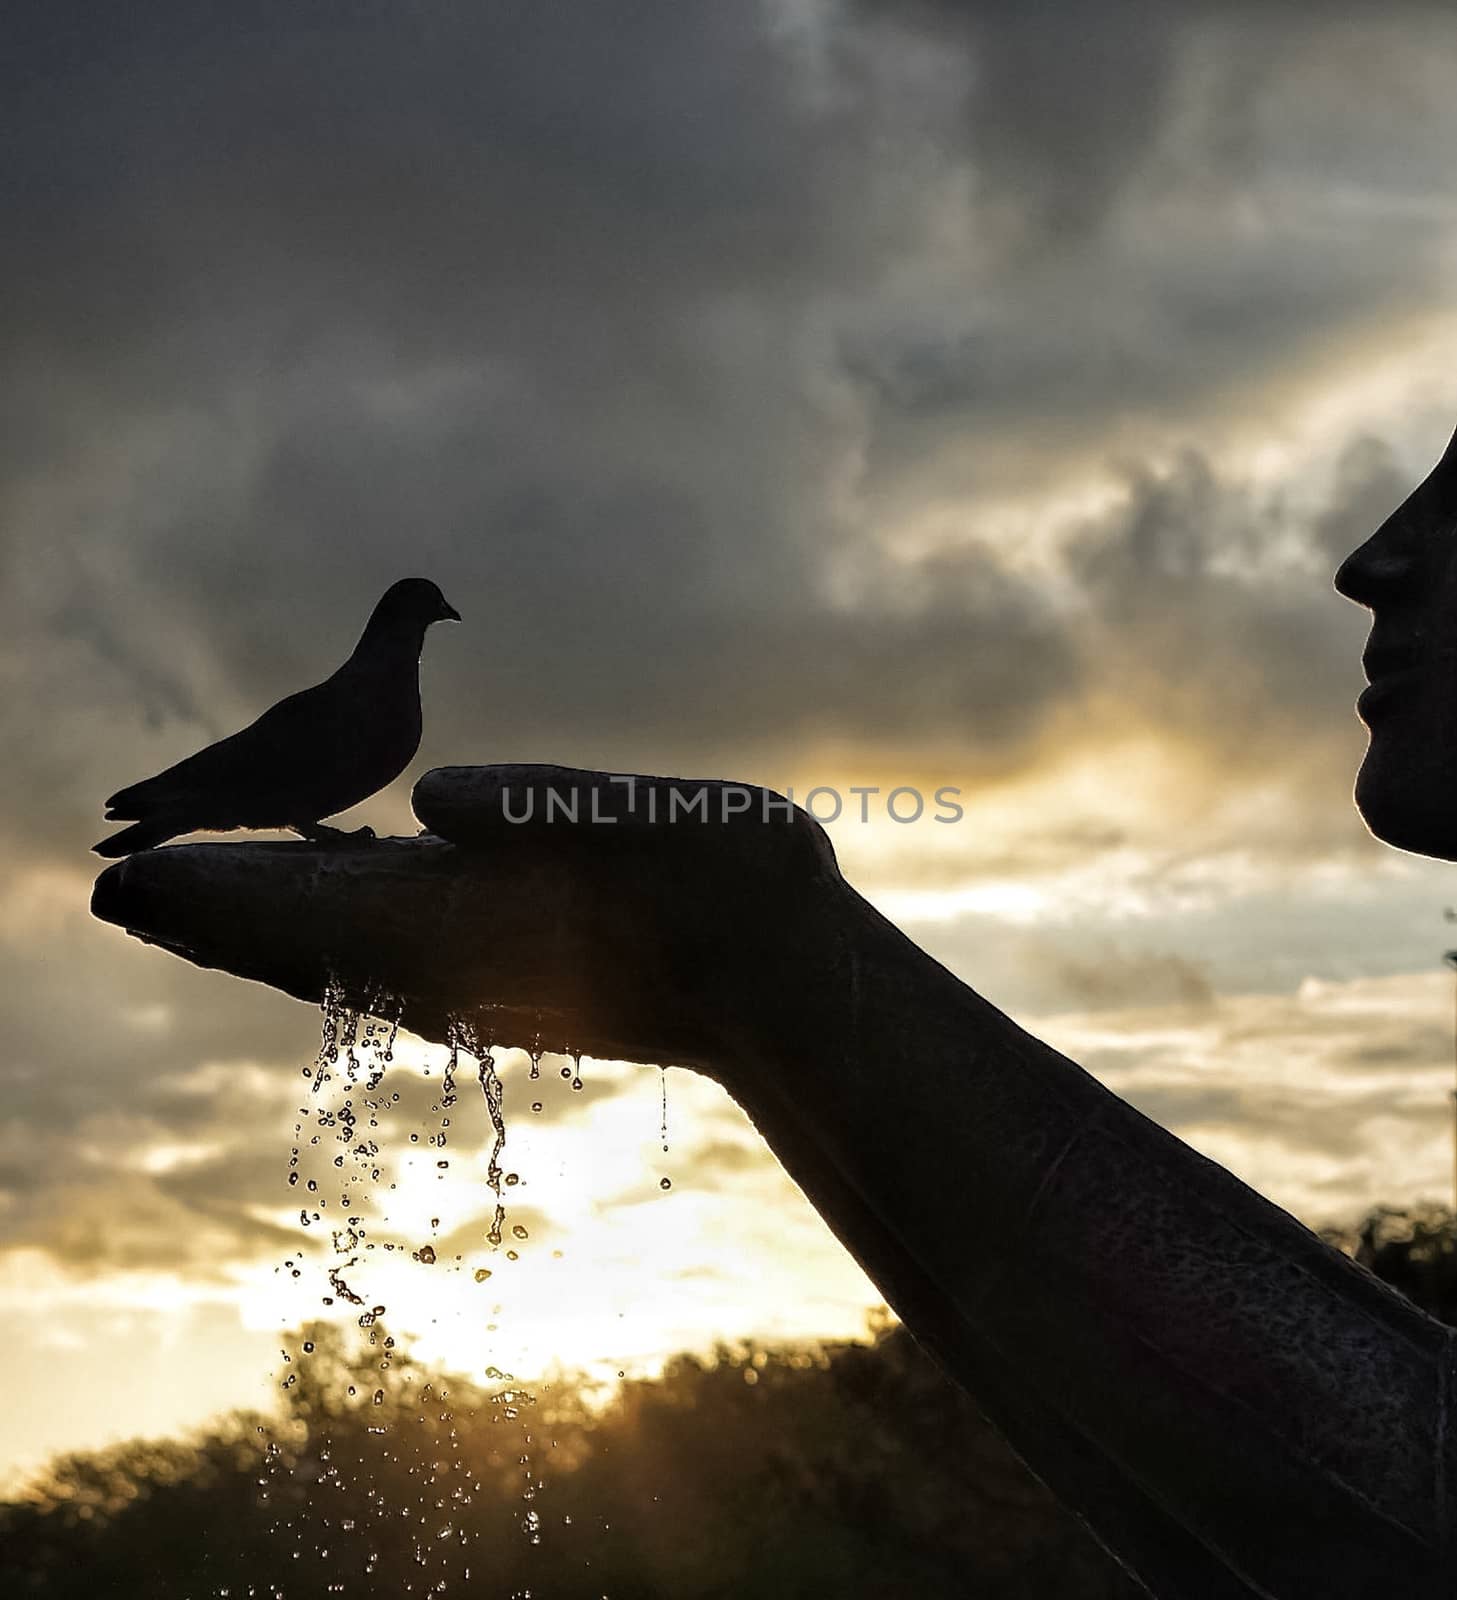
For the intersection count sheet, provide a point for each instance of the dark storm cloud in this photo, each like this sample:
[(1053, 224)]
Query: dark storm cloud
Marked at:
[(552, 304), (525, 299), (1169, 204), (1209, 609), (576, 312), (1061, 103), (1065, 105)]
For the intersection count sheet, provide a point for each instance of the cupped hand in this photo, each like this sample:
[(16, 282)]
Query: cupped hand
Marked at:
[(649, 919)]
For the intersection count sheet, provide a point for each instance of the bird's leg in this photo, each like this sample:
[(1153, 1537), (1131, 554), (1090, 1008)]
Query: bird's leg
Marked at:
[(321, 833)]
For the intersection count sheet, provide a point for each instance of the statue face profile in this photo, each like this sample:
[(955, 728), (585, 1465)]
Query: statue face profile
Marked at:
[(1406, 574)]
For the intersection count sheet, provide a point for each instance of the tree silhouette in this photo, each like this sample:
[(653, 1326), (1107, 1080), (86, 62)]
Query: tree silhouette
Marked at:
[(761, 1471)]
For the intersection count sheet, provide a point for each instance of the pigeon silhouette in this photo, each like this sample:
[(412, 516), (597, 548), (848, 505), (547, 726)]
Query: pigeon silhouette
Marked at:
[(312, 755)]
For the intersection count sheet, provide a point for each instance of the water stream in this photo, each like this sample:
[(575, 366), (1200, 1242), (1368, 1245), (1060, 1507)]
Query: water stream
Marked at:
[(346, 1167)]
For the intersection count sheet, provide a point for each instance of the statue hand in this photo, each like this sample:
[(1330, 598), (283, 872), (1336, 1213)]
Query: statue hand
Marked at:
[(642, 918)]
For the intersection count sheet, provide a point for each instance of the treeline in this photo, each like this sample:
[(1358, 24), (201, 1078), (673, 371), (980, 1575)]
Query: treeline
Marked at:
[(851, 1470)]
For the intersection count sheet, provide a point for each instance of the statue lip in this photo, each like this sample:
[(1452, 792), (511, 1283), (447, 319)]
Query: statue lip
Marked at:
[(1383, 661), (1372, 698)]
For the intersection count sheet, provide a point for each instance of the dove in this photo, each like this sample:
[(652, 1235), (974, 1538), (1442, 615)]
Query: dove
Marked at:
[(314, 754)]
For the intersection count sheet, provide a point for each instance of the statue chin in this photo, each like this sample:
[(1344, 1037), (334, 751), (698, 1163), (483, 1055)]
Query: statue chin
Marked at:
[(1399, 798)]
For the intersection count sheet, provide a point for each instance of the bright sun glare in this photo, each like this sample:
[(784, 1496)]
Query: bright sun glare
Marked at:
[(613, 1252)]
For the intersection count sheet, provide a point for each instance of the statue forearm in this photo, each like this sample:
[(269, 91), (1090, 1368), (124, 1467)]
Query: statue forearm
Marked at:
[(1212, 1386)]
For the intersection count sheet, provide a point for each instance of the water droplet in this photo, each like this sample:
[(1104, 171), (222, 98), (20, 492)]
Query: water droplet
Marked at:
[(482, 1273), (519, 1232), (665, 1183), (426, 1255)]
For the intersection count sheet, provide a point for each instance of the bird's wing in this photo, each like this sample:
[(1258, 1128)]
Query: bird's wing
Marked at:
[(266, 750)]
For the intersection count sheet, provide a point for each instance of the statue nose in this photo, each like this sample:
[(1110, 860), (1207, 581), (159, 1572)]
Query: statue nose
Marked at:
[(1411, 547), (1374, 572)]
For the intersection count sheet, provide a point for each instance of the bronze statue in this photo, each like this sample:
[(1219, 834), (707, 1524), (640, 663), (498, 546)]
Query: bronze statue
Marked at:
[(1233, 1406)]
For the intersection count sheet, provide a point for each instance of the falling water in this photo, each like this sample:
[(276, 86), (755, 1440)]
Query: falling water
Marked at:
[(664, 1182), (337, 1169), (461, 1035)]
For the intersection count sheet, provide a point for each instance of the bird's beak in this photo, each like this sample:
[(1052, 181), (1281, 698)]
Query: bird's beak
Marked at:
[(449, 614)]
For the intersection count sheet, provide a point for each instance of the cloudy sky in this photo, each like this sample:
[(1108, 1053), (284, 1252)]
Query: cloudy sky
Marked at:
[(807, 391)]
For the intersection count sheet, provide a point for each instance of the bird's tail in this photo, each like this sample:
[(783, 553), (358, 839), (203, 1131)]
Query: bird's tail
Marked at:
[(140, 836)]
